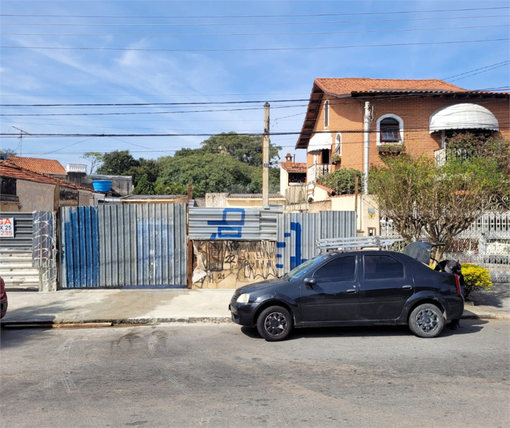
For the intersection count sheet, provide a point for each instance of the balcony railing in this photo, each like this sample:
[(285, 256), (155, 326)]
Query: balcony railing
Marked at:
[(315, 171)]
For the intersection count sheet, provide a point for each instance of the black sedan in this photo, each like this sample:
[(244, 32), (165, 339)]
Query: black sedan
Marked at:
[(352, 288)]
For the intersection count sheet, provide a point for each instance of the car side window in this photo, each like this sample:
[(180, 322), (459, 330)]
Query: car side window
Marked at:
[(339, 269), (382, 267)]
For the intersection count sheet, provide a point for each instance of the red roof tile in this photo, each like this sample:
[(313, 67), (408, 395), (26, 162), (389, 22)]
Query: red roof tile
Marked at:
[(346, 86), (48, 166), (364, 87), (294, 167), (9, 169)]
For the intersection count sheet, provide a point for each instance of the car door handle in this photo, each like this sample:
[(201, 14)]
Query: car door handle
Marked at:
[(351, 291), (407, 287)]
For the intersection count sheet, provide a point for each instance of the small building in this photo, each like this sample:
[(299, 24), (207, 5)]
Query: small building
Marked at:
[(24, 190)]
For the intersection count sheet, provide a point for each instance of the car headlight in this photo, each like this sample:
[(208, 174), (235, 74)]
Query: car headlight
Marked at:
[(243, 298)]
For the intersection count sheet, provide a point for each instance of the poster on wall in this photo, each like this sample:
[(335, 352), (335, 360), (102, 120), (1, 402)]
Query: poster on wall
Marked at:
[(6, 227)]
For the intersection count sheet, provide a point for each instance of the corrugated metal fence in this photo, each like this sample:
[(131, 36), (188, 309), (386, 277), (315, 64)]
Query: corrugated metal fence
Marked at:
[(123, 245), (298, 234)]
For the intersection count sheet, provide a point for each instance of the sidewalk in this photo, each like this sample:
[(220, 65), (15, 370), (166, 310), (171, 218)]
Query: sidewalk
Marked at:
[(149, 306)]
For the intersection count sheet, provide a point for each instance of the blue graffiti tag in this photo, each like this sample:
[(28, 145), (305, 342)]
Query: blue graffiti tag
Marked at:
[(297, 259), (225, 229)]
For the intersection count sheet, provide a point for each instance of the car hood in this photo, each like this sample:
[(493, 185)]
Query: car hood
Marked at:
[(251, 288)]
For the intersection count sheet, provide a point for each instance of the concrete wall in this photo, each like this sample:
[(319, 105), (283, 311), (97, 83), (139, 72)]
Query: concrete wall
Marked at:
[(368, 219), (216, 200), (35, 196), (232, 264)]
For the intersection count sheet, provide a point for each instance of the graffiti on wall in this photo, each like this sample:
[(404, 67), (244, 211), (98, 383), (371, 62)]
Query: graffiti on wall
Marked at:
[(229, 227), (231, 264), (297, 258)]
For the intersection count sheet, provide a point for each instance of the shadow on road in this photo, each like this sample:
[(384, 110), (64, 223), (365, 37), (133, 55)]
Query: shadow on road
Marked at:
[(466, 327)]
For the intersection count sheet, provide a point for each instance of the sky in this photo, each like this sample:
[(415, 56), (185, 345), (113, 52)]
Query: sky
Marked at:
[(153, 77)]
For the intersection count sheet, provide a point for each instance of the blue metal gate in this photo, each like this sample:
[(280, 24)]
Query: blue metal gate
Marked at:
[(123, 245)]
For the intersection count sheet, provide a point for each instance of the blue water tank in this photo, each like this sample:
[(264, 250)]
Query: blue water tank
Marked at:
[(102, 185)]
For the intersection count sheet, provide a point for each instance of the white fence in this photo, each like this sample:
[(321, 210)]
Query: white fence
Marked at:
[(486, 243)]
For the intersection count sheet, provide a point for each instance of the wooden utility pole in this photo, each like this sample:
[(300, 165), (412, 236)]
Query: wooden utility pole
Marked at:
[(265, 159)]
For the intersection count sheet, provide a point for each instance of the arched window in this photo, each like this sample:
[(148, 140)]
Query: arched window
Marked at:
[(390, 129), (326, 114), (338, 145)]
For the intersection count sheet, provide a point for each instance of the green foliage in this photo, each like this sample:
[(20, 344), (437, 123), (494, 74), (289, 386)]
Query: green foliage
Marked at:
[(475, 278), (225, 163), (95, 159), (244, 148), (439, 202), (208, 172), (118, 163), (481, 158), (255, 185), (145, 186), (342, 181)]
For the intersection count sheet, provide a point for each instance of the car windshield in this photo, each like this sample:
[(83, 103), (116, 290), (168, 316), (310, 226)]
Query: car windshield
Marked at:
[(304, 267)]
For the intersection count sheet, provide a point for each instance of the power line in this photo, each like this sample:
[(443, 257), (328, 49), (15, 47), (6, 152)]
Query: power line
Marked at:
[(138, 113), (254, 34), (482, 70), (156, 104), (257, 49), (149, 135), (251, 24), (249, 16)]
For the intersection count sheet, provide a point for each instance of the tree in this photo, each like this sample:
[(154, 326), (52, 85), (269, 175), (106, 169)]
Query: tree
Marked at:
[(208, 172), (245, 148), (342, 181), (118, 162), (440, 202), (95, 159), (7, 152)]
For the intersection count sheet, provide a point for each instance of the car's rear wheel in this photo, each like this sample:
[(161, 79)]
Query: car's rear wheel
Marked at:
[(274, 323), (426, 320)]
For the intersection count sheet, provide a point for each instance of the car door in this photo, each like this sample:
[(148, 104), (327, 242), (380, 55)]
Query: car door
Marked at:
[(385, 285), (332, 293)]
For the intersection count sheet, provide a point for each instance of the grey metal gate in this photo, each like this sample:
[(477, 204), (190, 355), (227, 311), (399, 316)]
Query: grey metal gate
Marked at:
[(123, 245)]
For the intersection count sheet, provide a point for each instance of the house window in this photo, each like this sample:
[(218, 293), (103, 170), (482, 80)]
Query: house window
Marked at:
[(326, 114), (338, 144), (390, 129)]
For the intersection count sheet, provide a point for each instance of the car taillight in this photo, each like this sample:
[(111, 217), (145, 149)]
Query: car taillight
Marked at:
[(457, 283)]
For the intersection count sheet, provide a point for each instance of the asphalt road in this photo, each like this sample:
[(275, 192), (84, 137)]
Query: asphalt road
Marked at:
[(206, 375)]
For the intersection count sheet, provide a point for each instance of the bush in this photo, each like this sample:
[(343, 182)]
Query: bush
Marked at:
[(475, 278), (342, 181)]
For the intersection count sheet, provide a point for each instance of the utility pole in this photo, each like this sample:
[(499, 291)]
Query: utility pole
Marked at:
[(366, 142), (265, 159), (21, 132)]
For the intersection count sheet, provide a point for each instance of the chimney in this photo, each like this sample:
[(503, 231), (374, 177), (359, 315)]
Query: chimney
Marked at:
[(288, 160)]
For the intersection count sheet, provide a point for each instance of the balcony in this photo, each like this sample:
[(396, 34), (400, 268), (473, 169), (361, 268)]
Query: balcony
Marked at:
[(316, 171)]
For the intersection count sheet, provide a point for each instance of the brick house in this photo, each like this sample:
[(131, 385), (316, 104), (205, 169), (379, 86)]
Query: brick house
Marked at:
[(352, 122)]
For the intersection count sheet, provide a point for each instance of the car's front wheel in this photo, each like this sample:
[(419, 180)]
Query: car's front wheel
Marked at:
[(426, 320), (274, 323)]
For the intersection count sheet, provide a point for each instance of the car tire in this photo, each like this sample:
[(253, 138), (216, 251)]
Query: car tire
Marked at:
[(274, 323), (426, 320)]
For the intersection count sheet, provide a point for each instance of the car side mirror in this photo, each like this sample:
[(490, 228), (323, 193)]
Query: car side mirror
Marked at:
[(310, 282)]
